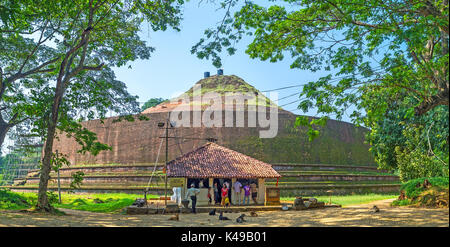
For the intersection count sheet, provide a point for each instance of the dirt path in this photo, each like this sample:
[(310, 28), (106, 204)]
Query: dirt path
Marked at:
[(358, 215)]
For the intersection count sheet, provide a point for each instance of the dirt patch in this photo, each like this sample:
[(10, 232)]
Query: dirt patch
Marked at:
[(359, 216)]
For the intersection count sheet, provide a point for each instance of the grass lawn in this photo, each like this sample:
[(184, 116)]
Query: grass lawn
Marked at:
[(105, 203), (347, 200), (13, 201), (114, 202)]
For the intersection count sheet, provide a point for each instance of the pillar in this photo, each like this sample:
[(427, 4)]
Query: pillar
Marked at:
[(261, 191), (234, 200), (211, 185)]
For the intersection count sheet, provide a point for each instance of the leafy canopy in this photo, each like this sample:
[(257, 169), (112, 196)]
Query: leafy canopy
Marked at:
[(385, 47), (76, 43), (387, 64)]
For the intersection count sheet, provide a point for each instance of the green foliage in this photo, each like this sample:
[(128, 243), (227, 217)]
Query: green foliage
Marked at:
[(77, 180), (404, 202), (11, 200), (105, 203), (78, 202), (111, 202), (105, 207), (76, 50), (412, 190), (59, 160), (152, 102), (415, 146), (52, 197), (63, 75), (347, 200)]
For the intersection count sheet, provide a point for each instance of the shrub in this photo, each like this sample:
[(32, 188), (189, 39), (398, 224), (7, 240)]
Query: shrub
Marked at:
[(11, 200), (416, 192), (412, 190), (52, 197)]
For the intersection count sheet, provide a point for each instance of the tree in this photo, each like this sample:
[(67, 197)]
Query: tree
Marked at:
[(83, 40), (98, 34), (21, 57), (415, 147), (371, 45), (152, 102), (378, 53)]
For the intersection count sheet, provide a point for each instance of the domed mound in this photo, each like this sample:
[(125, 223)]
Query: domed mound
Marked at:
[(224, 84), (139, 141), (227, 86)]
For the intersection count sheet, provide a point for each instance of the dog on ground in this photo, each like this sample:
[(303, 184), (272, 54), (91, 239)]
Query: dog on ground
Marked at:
[(212, 212), (375, 209), (221, 217), (240, 219)]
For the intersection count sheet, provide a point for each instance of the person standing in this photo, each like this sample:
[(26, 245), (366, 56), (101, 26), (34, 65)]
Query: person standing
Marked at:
[(237, 186), (216, 193), (225, 199), (254, 191), (229, 190), (209, 196), (192, 193), (246, 193)]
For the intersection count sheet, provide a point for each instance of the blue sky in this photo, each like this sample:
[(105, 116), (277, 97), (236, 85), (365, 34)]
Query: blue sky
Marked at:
[(172, 69)]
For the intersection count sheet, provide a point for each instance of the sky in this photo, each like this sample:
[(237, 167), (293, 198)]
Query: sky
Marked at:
[(172, 69)]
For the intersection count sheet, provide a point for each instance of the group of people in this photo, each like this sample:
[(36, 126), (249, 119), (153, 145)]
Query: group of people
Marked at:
[(222, 194), (238, 188)]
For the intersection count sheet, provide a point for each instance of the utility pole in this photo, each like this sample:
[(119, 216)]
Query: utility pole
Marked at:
[(168, 125), (59, 182), (167, 160)]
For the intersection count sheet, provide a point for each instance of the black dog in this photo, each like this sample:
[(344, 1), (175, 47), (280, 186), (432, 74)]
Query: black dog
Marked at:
[(240, 219), (221, 217), (212, 212)]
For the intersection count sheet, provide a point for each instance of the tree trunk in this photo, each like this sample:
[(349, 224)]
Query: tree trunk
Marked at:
[(43, 203), (4, 128), (439, 99)]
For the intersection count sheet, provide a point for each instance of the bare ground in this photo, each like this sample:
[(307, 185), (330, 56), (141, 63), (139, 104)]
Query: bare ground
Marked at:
[(359, 216)]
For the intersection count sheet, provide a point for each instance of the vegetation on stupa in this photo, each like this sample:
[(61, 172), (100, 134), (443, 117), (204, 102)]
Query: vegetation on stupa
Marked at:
[(224, 84)]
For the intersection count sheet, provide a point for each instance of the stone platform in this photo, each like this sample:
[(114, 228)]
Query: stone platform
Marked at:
[(207, 209)]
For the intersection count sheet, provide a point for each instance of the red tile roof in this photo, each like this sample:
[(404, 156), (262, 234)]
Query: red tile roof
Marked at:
[(214, 161)]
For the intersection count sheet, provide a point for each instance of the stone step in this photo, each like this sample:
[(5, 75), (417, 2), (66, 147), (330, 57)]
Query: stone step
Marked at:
[(325, 167), (336, 177), (286, 191)]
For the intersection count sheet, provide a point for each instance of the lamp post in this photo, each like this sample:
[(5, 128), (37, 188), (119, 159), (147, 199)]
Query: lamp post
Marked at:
[(330, 192)]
